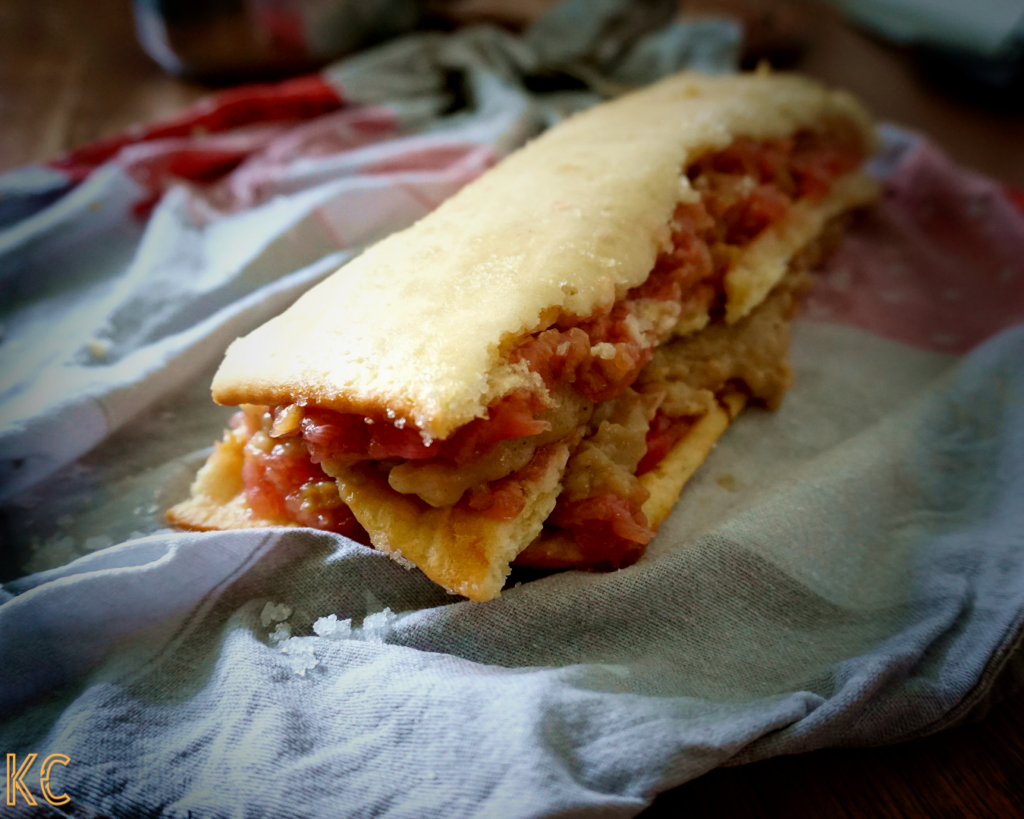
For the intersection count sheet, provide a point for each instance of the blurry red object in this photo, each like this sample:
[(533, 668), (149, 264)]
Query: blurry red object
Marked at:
[(290, 101)]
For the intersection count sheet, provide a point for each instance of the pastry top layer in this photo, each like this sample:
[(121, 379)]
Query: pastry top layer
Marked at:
[(416, 326)]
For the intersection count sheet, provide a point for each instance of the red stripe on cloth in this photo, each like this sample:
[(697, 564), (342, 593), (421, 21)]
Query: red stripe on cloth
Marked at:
[(938, 263), (294, 100)]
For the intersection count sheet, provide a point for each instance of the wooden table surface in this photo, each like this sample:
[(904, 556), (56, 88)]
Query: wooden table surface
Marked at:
[(71, 71)]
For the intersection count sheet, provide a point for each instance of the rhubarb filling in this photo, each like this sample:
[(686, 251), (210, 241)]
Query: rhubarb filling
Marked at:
[(622, 386)]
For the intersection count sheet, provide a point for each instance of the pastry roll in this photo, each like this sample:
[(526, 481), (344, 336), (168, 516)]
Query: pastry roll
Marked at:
[(531, 372)]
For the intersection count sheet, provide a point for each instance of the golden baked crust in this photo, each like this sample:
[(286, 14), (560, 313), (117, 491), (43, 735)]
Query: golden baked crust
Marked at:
[(217, 496), (416, 326), (454, 546), (666, 481)]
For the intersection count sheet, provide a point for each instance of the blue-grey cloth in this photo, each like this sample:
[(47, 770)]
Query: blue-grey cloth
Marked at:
[(865, 598)]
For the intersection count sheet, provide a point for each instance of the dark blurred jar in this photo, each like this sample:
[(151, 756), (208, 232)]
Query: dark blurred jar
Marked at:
[(247, 39)]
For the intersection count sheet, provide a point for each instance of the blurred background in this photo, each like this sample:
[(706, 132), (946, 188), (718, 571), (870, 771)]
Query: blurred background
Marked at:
[(72, 72)]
